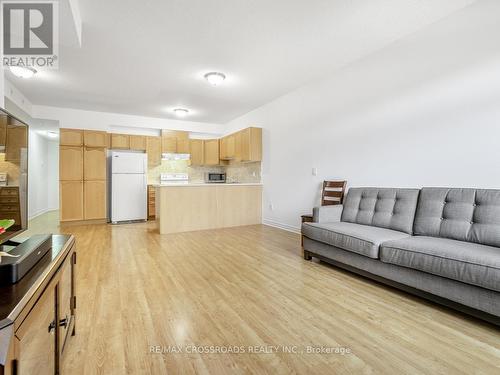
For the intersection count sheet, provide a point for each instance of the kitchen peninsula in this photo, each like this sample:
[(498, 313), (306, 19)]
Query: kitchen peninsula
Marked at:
[(188, 207)]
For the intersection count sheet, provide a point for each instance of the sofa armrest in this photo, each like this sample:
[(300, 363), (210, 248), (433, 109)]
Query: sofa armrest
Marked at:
[(327, 214)]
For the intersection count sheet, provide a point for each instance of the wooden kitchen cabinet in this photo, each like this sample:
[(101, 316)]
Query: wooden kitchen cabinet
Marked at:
[(168, 141), (16, 140), (153, 149), (36, 337), (42, 306), (71, 200), (211, 151), (151, 202), (197, 151), (120, 141), (183, 142), (94, 164), (70, 137), (94, 200), (65, 302), (138, 142), (70, 163), (174, 141), (94, 138), (251, 144), (227, 147)]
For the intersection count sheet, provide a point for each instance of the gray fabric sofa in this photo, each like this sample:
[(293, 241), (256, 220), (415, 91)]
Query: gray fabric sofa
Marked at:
[(439, 243)]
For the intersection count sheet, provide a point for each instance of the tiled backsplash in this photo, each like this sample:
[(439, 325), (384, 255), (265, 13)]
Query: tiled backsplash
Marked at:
[(245, 172)]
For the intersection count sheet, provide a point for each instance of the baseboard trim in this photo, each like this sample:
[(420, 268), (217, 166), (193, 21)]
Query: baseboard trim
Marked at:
[(38, 213), (276, 224)]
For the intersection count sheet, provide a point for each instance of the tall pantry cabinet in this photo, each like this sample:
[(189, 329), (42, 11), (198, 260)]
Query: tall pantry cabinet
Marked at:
[(82, 174)]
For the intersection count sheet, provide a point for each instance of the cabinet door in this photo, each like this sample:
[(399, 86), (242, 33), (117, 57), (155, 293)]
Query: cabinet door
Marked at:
[(211, 151), (16, 139), (36, 338), (71, 137), (120, 141), (153, 149), (71, 200), (94, 200), (182, 142), (168, 143), (237, 147), (70, 163), (197, 151), (65, 301), (94, 138), (94, 164), (251, 144), (138, 142)]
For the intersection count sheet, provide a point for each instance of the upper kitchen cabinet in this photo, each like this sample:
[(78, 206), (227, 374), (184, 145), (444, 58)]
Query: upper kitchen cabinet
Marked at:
[(138, 142), (120, 141), (227, 147), (174, 141), (251, 144), (197, 151), (94, 163), (70, 163), (71, 137), (16, 139), (183, 142), (211, 152), (94, 138), (153, 149)]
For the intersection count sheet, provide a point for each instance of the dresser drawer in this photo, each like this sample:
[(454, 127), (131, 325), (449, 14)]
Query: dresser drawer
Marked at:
[(9, 207), (9, 191), (9, 199)]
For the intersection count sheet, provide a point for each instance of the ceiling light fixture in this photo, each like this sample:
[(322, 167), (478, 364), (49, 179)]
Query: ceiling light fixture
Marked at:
[(52, 134), (22, 71), (215, 78), (181, 112)]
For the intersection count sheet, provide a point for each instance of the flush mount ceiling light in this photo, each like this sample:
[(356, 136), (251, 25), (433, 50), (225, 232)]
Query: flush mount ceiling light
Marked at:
[(215, 78), (22, 71), (181, 112), (52, 134)]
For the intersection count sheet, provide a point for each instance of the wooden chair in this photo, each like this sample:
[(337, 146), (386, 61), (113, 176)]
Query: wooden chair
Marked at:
[(333, 193)]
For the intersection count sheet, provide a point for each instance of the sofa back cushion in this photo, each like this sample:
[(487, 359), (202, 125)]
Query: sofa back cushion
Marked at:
[(381, 207), (471, 215)]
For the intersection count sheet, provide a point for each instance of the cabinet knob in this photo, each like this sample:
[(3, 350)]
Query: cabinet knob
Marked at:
[(52, 326)]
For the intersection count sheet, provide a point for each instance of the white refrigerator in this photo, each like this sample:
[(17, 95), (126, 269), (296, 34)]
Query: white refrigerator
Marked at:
[(128, 190)]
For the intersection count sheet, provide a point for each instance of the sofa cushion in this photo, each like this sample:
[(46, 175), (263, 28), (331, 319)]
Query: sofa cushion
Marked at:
[(463, 261), (471, 215), (361, 239), (381, 207)]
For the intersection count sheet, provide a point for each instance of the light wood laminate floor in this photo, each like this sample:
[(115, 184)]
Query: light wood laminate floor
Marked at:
[(249, 287)]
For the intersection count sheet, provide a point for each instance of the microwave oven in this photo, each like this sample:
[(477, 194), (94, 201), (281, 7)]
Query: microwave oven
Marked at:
[(215, 177)]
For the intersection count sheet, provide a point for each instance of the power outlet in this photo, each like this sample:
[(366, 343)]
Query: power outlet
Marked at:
[(315, 171)]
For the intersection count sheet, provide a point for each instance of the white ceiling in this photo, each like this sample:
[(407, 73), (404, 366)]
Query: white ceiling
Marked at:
[(147, 57)]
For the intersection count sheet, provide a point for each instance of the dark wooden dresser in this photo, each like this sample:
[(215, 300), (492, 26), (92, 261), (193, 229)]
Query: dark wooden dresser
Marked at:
[(37, 315)]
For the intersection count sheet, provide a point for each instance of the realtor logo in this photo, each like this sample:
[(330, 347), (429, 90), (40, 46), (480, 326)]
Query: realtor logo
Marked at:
[(30, 32)]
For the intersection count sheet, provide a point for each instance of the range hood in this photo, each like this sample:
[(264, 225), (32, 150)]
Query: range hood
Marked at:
[(173, 156)]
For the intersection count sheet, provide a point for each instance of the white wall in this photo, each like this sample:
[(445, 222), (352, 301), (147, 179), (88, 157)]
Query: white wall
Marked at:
[(423, 111), (80, 119), (52, 175), (37, 174)]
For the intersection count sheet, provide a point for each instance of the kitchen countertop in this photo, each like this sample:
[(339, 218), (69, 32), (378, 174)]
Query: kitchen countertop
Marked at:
[(196, 184)]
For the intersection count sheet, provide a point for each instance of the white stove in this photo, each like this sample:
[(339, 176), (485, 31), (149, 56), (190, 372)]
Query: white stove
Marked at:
[(173, 178)]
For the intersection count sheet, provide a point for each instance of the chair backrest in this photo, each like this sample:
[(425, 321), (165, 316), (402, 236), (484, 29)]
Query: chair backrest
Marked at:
[(333, 192)]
